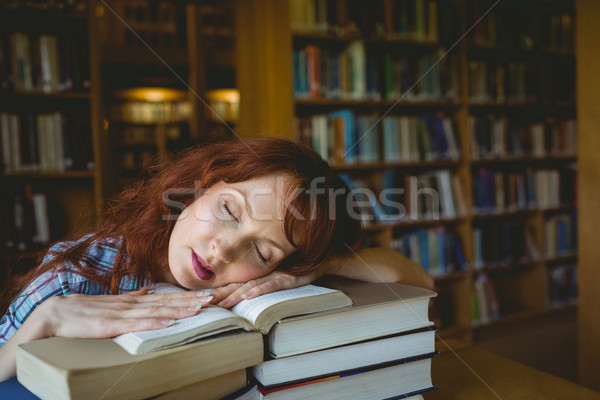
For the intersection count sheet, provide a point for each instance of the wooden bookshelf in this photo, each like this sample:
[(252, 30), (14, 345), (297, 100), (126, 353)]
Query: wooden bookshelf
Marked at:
[(272, 105), (73, 190)]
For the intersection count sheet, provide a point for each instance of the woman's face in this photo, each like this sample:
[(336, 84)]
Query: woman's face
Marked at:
[(230, 233)]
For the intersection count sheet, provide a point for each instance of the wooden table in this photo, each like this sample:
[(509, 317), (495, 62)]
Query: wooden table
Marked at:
[(468, 372)]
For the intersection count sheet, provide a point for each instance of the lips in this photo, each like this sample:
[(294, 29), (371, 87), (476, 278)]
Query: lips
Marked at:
[(201, 267)]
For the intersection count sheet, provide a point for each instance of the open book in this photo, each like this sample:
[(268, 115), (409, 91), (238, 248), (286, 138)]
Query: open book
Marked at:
[(260, 314)]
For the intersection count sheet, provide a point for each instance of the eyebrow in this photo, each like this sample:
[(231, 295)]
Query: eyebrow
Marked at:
[(250, 212)]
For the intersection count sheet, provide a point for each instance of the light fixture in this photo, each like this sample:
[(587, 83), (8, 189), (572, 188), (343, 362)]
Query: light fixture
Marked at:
[(152, 94)]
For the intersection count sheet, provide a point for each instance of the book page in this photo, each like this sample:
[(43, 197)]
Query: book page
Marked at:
[(251, 309), (206, 316)]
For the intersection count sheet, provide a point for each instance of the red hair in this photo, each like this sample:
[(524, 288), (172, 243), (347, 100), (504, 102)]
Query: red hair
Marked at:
[(143, 216)]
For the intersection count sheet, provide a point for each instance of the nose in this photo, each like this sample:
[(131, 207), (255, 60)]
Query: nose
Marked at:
[(224, 249)]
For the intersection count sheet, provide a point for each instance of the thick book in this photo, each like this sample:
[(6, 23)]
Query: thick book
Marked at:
[(378, 309), (345, 359), (391, 382), (259, 314), (67, 368), (226, 386)]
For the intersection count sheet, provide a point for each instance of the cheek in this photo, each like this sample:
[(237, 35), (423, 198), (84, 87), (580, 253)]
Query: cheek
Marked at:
[(247, 273)]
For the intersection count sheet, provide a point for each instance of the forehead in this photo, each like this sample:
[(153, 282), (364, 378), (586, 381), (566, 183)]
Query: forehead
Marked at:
[(264, 196)]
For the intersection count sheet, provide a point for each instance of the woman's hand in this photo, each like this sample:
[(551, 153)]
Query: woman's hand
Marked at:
[(84, 316), (228, 296)]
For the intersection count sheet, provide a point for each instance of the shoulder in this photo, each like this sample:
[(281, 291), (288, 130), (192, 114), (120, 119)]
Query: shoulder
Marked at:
[(99, 254)]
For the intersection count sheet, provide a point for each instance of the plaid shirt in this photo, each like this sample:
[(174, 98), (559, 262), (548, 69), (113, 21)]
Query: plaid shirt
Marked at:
[(100, 256)]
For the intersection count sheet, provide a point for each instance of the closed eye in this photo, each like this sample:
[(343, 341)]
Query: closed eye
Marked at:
[(259, 255), (228, 211)]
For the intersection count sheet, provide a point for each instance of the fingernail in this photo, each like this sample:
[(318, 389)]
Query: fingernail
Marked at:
[(206, 299), (202, 294), (168, 322), (223, 303), (249, 293)]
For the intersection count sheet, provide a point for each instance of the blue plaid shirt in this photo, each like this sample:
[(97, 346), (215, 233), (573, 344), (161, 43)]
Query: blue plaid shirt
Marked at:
[(62, 283)]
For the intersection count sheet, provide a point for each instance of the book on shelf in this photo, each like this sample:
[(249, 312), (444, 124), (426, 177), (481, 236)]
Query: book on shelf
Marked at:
[(498, 244), (65, 368), (397, 381), (46, 63), (258, 314), (484, 301), (439, 251), (562, 285), (377, 310), (345, 359), (49, 142)]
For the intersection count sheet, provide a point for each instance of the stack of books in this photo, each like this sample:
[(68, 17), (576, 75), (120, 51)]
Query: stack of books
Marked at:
[(349, 339), (379, 348)]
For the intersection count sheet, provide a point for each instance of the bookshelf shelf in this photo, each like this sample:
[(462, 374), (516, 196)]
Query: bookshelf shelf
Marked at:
[(509, 161), (49, 175), (564, 258), (504, 267), (413, 224), (505, 214), (34, 95), (508, 53), (376, 104), (453, 276), (434, 164)]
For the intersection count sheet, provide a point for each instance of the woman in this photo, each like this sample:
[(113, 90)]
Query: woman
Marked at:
[(245, 217)]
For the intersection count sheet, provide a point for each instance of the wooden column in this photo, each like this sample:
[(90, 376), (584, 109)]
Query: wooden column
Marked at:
[(588, 120), (264, 68), (196, 72)]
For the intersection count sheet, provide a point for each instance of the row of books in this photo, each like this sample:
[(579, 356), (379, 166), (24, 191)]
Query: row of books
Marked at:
[(342, 137), (67, 6), (501, 191), (44, 143), (146, 112), (497, 137), (357, 73), (544, 28), (45, 62), (561, 234), (25, 223), (348, 339), (485, 307), (503, 243), (521, 82), (562, 285), (414, 20), (438, 250), (431, 195)]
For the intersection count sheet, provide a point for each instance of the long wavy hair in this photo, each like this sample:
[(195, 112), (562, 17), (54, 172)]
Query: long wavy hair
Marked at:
[(142, 217)]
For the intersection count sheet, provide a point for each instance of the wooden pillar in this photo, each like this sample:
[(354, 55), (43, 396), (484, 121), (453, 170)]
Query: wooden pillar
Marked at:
[(264, 68), (196, 73), (588, 120)]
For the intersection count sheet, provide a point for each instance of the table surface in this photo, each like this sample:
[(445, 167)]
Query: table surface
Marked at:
[(467, 372)]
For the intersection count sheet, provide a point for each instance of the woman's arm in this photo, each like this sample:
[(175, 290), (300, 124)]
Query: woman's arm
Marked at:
[(380, 264), (102, 316)]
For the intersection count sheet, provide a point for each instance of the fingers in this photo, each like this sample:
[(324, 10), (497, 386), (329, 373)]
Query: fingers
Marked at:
[(272, 282), (224, 292)]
